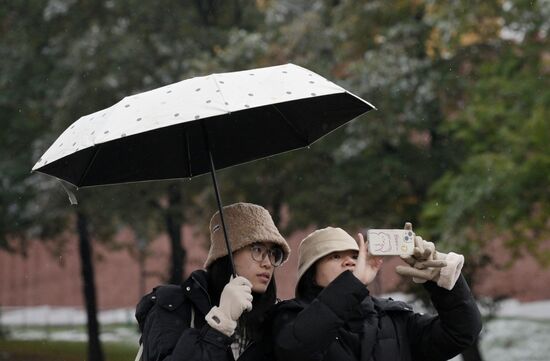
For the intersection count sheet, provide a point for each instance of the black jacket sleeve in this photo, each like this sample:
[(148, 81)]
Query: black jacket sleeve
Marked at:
[(456, 327), (307, 333), (166, 333)]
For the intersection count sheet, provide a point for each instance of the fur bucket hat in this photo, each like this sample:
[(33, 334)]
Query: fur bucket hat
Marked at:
[(320, 243), (246, 223)]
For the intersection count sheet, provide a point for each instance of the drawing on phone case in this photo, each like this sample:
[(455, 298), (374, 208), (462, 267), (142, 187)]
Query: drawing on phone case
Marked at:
[(388, 242), (382, 242)]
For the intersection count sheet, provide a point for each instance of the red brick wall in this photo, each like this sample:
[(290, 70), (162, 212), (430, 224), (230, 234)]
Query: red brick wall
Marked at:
[(42, 279)]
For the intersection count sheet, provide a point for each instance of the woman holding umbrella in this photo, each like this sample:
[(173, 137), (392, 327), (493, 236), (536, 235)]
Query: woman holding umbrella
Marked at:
[(205, 318), (334, 318)]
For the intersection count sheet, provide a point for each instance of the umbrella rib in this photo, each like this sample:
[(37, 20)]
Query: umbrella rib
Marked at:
[(302, 137), (188, 154), (88, 166)]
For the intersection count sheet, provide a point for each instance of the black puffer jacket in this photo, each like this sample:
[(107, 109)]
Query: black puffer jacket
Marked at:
[(344, 323), (164, 318)]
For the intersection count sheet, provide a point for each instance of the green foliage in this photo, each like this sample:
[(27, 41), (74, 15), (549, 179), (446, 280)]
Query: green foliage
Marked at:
[(377, 170), (458, 145), (68, 59), (500, 188)]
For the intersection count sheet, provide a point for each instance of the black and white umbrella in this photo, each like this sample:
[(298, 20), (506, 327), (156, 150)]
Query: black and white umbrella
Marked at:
[(198, 125)]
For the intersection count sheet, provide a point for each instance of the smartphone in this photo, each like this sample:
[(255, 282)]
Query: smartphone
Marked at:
[(390, 242)]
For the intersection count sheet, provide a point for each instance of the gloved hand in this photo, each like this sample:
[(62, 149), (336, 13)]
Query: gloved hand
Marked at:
[(426, 264), (236, 298)]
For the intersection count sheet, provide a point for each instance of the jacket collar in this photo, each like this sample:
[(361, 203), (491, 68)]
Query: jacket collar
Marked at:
[(389, 304), (195, 288)]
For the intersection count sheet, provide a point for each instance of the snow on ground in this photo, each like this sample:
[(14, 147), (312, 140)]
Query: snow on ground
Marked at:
[(52, 316), (532, 310), (516, 339), (520, 331)]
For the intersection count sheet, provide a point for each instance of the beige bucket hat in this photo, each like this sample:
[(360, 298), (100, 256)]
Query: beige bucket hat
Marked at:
[(246, 223), (320, 243)]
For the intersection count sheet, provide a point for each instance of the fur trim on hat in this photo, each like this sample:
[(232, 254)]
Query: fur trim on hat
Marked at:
[(320, 243), (246, 223)]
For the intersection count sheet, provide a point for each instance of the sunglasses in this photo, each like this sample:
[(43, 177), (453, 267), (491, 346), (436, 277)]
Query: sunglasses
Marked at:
[(275, 254)]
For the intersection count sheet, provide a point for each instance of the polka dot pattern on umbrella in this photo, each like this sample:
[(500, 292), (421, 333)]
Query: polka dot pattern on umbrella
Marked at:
[(190, 100)]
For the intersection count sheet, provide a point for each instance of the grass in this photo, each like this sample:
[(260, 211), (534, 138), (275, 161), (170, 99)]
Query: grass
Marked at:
[(11, 350), (503, 339)]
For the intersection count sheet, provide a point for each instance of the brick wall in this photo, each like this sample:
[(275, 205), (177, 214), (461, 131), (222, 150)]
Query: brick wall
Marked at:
[(42, 278)]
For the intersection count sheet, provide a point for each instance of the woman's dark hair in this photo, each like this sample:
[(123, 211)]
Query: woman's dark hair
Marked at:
[(249, 327), (307, 288)]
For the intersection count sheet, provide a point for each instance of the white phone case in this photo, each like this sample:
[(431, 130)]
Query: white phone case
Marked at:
[(390, 242)]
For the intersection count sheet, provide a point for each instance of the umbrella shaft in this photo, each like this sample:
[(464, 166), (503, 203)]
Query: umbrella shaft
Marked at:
[(218, 199)]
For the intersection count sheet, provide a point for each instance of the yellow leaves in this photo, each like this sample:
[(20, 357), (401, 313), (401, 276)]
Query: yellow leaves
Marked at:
[(431, 43), (488, 28), (435, 46), (263, 4), (445, 44), (470, 38), (545, 62), (456, 26)]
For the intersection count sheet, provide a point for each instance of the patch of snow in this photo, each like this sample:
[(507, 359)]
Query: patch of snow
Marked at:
[(519, 331), (533, 310), (54, 316), (539, 310), (516, 340)]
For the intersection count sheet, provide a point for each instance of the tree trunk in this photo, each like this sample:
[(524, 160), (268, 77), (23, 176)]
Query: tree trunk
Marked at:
[(95, 353), (3, 333), (237, 13), (473, 352), (142, 249), (174, 221), (277, 205)]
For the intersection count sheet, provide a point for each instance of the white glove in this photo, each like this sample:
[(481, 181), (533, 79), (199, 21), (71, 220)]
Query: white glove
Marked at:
[(426, 264), (444, 274), (236, 298)]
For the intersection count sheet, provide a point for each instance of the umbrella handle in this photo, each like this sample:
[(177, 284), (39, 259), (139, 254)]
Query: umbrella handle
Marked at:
[(218, 199)]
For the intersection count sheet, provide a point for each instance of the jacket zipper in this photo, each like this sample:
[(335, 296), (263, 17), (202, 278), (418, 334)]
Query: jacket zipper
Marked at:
[(246, 348)]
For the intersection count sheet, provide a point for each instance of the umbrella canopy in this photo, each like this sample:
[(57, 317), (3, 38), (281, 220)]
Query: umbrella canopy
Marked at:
[(163, 133), (198, 125)]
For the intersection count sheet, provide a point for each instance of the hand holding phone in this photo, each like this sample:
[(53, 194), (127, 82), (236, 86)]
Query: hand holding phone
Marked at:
[(367, 265), (390, 242)]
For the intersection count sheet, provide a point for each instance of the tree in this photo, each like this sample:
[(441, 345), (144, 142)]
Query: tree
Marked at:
[(460, 137), (442, 149), (378, 169), (67, 59), (500, 186)]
